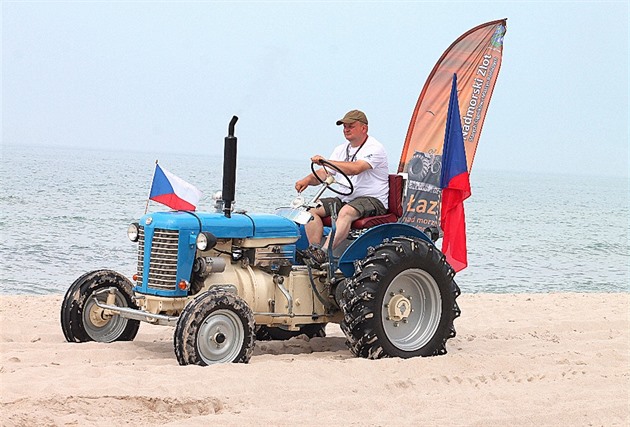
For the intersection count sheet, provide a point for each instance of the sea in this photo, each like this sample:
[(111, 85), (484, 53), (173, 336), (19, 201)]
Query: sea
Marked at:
[(65, 211)]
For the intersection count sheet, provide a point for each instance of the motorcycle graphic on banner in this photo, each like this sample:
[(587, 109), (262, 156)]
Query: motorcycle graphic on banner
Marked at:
[(422, 203)]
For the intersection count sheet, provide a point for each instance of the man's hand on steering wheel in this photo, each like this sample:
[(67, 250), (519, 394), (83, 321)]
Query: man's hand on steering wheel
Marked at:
[(346, 185), (317, 159)]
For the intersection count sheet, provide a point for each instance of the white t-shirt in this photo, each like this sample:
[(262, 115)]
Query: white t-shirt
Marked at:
[(373, 182)]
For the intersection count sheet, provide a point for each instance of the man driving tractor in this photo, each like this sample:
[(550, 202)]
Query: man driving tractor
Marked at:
[(364, 160)]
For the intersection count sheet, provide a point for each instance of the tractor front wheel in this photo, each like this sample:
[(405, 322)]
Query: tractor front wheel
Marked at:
[(82, 320), (215, 327), (400, 302)]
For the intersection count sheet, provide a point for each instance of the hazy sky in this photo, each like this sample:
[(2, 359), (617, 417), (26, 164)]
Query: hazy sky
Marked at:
[(168, 76)]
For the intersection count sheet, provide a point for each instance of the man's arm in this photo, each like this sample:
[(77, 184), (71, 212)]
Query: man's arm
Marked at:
[(349, 168), (309, 179)]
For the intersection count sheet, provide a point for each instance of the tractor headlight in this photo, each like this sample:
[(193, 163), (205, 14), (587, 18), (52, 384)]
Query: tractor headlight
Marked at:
[(206, 241), (133, 231)]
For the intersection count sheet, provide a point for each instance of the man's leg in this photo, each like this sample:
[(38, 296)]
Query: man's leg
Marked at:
[(315, 228), (347, 214)]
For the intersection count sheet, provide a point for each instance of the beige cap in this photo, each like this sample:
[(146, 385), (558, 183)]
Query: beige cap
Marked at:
[(353, 116)]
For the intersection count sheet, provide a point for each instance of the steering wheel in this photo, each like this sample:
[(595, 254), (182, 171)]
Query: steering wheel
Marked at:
[(347, 185)]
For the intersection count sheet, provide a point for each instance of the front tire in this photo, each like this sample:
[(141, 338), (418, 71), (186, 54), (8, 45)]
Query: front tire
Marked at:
[(82, 320), (400, 302), (216, 327)]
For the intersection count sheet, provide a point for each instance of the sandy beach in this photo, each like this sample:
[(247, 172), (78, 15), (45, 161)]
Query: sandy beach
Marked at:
[(523, 359)]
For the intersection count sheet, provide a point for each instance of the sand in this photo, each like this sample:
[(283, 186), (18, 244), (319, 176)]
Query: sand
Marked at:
[(525, 359)]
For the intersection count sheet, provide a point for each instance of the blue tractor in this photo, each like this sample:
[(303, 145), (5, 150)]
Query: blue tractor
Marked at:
[(225, 279)]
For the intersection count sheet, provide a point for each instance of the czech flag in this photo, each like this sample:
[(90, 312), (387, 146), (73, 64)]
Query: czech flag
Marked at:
[(455, 187), (173, 191)]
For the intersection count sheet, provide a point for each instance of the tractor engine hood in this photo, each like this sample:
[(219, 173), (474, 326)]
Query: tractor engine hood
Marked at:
[(237, 226)]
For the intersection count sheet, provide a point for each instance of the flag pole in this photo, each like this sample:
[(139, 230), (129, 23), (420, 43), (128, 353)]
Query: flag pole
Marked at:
[(146, 208)]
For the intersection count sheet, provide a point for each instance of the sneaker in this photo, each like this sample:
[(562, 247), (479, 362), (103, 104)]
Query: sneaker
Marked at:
[(316, 255)]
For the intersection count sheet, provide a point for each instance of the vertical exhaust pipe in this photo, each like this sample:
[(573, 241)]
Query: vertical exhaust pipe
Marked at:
[(229, 169)]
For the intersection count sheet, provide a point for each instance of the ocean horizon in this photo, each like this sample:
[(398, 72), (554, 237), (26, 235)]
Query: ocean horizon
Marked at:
[(65, 211)]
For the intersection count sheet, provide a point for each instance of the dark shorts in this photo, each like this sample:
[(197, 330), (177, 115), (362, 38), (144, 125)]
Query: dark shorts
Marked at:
[(367, 206)]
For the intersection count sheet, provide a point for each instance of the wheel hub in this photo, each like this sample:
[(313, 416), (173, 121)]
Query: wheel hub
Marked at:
[(398, 308), (411, 309), (219, 338), (98, 316)]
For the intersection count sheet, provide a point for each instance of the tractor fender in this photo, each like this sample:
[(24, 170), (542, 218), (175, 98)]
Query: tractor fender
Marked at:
[(372, 238)]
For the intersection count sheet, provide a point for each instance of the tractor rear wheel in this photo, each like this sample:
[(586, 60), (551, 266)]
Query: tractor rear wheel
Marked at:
[(82, 320), (400, 301), (215, 327)]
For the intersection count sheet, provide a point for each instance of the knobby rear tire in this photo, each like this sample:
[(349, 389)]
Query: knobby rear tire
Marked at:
[(401, 301)]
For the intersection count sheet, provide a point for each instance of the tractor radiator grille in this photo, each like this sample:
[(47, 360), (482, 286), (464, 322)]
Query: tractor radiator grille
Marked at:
[(163, 262)]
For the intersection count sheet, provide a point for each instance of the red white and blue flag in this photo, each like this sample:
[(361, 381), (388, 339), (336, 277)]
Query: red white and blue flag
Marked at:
[(455, 184), (173, 191)]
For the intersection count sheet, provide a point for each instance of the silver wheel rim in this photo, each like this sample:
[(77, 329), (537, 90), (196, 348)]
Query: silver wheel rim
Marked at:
[(414, 323), (103, 328), (220, 337)]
